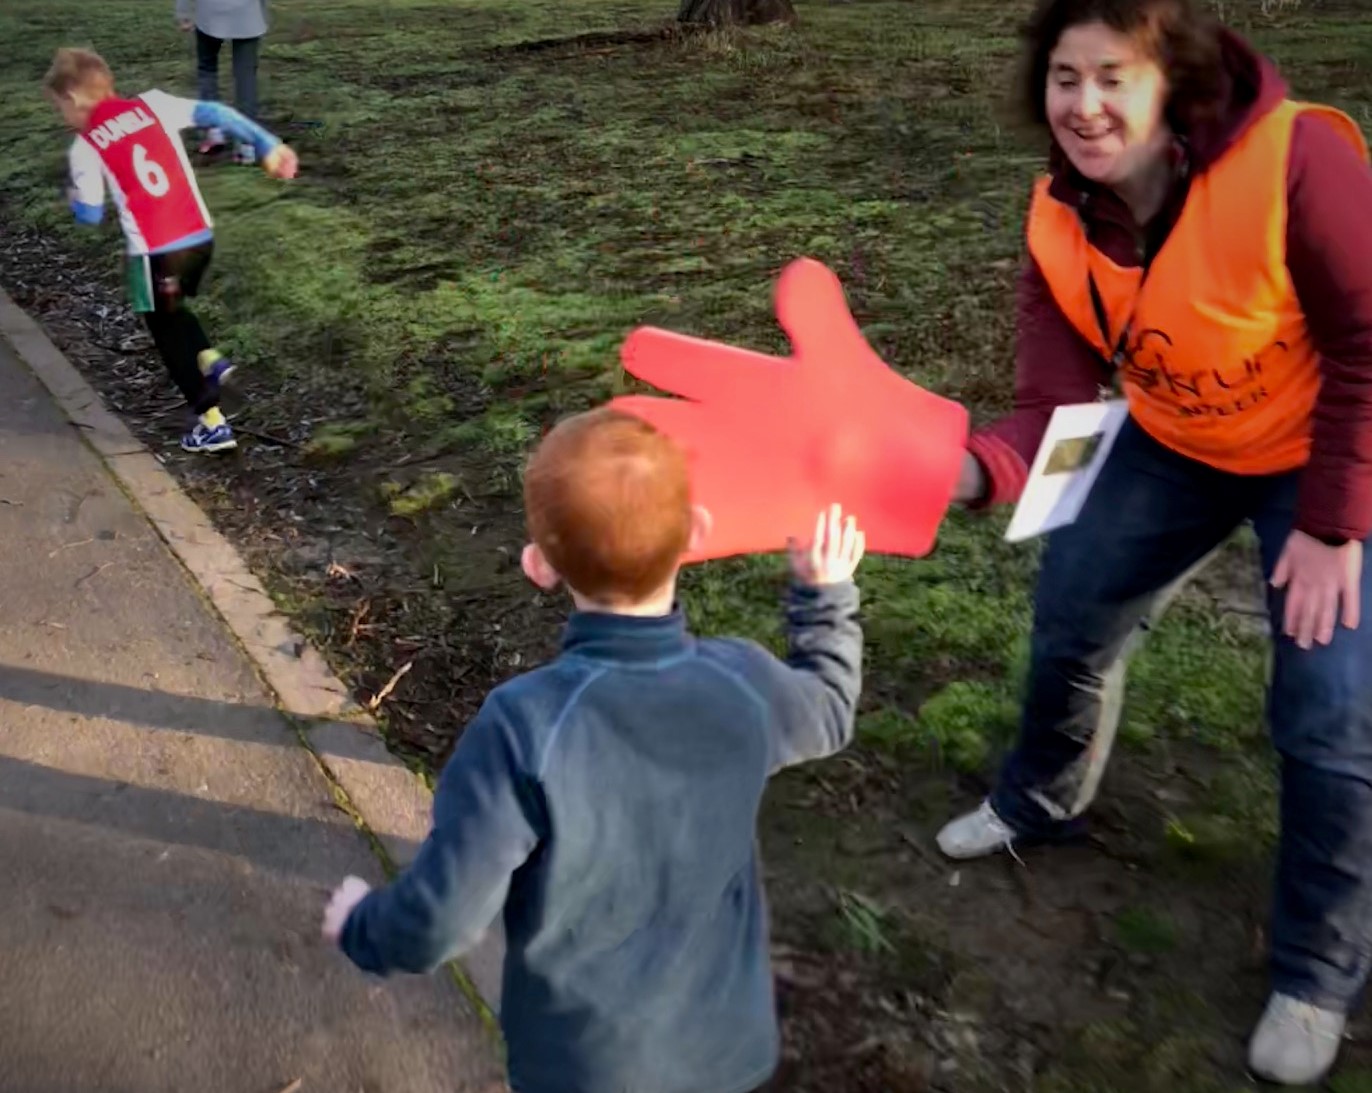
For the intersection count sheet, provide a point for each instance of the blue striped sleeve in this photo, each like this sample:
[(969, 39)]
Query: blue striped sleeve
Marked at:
[(215, 115), (87, 214), (86, 195)]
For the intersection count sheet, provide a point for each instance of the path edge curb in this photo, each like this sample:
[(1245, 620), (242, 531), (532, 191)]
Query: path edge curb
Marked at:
[(386, 799)]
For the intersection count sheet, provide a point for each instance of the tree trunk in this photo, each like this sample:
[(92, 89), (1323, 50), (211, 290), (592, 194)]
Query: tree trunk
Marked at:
[(733, 13)]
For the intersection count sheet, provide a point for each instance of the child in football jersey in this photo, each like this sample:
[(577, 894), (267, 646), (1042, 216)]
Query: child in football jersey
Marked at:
[(132, 147)]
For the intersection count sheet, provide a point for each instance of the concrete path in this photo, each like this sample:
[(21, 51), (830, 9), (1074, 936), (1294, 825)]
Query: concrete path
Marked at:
[(166, 843)]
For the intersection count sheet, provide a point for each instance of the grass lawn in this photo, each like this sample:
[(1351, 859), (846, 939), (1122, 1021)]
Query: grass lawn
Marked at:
[(492, 194)]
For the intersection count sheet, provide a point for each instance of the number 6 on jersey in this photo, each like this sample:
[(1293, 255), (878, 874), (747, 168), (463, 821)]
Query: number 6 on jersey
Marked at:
[(150, 174)]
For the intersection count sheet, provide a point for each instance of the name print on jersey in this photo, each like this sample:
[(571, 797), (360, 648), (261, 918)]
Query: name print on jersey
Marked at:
[(120, 126)]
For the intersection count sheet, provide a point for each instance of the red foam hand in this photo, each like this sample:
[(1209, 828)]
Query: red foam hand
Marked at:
[(773, 440)]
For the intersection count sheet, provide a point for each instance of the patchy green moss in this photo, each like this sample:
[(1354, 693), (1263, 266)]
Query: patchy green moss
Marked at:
[(425, 493)]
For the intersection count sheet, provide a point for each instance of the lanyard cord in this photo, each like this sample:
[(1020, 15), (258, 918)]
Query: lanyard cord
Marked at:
[(1116, 358), (1109, 366), (1112, 364)]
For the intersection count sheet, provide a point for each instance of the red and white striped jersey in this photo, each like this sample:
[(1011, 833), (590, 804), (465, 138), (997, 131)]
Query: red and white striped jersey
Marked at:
[(134, 147)]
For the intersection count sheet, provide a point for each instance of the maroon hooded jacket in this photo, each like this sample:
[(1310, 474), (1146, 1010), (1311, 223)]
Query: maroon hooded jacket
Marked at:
[(1329, 255)]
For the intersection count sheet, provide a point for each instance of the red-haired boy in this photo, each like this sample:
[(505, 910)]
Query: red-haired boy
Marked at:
[(608, 801)]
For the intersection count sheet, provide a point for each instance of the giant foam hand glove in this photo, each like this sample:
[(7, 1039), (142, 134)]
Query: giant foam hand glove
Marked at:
[(774, 440)]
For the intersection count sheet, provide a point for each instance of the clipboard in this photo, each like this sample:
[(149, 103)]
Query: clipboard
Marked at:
[(1068, 462)]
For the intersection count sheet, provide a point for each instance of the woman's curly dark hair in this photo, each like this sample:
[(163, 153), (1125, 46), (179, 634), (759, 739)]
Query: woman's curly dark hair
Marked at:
[(1183, 40)]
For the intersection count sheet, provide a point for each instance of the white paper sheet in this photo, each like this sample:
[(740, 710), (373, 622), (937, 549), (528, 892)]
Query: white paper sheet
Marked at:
[(1069, 460)]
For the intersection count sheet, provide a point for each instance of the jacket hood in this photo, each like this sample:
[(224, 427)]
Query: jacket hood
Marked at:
[(1253, 89)]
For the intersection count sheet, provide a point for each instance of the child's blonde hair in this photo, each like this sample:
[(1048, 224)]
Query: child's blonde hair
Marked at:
[(78, 70)]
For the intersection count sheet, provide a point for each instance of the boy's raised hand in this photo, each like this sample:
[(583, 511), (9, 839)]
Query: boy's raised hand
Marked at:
[(833, 555), (281, 162), (346, 896)]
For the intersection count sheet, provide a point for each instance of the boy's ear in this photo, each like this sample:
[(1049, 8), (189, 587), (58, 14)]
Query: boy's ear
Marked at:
[(702, 523), (537, 568)]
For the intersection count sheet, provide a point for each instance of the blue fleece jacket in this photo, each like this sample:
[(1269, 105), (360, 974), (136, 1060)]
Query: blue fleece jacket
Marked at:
[(608, 802)]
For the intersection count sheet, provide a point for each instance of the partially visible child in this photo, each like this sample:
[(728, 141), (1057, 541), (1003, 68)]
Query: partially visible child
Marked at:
[(243, 24), (606, 803), (132, 147)]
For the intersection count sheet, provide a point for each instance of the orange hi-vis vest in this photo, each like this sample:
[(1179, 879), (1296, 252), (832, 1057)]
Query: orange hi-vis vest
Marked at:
[(1210, 344)]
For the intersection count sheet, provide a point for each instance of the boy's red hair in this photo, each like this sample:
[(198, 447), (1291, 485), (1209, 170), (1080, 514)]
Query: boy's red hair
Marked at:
[(607, 499)]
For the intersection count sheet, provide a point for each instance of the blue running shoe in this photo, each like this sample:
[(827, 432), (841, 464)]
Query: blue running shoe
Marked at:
[(204, 439)]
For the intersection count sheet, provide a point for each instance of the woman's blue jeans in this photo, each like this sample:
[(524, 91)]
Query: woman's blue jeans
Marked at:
[(1154, 517)]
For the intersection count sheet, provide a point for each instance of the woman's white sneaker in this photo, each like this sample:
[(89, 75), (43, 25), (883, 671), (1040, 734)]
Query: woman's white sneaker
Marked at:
[(1295, 1043), (976, 834)]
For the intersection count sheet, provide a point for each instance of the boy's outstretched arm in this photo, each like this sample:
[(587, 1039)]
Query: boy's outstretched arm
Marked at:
[(817, 710), (179, 113), (217, 115), (486, 824), (813, 696)]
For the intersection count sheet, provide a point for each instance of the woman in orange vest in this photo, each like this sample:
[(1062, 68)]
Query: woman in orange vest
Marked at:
[(1204, 245)]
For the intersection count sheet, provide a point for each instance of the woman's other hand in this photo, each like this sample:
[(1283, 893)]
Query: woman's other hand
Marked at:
[(1323, 588)]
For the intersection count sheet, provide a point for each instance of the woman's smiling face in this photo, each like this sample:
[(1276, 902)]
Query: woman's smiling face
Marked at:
[(1105, 102)]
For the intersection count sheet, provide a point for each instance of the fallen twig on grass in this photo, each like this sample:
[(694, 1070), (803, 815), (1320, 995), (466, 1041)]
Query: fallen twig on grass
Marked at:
[(909, 839), (357, 626), (68, 546), (279, 441), (375, 702), (93, 573)]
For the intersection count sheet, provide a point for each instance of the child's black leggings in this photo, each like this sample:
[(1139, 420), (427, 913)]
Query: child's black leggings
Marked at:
[(175, 330)]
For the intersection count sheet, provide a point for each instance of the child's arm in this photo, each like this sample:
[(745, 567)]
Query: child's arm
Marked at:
[(816, 693), (185, 14), (86, 196), (178, 113), (813, 696), (486, 820)]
